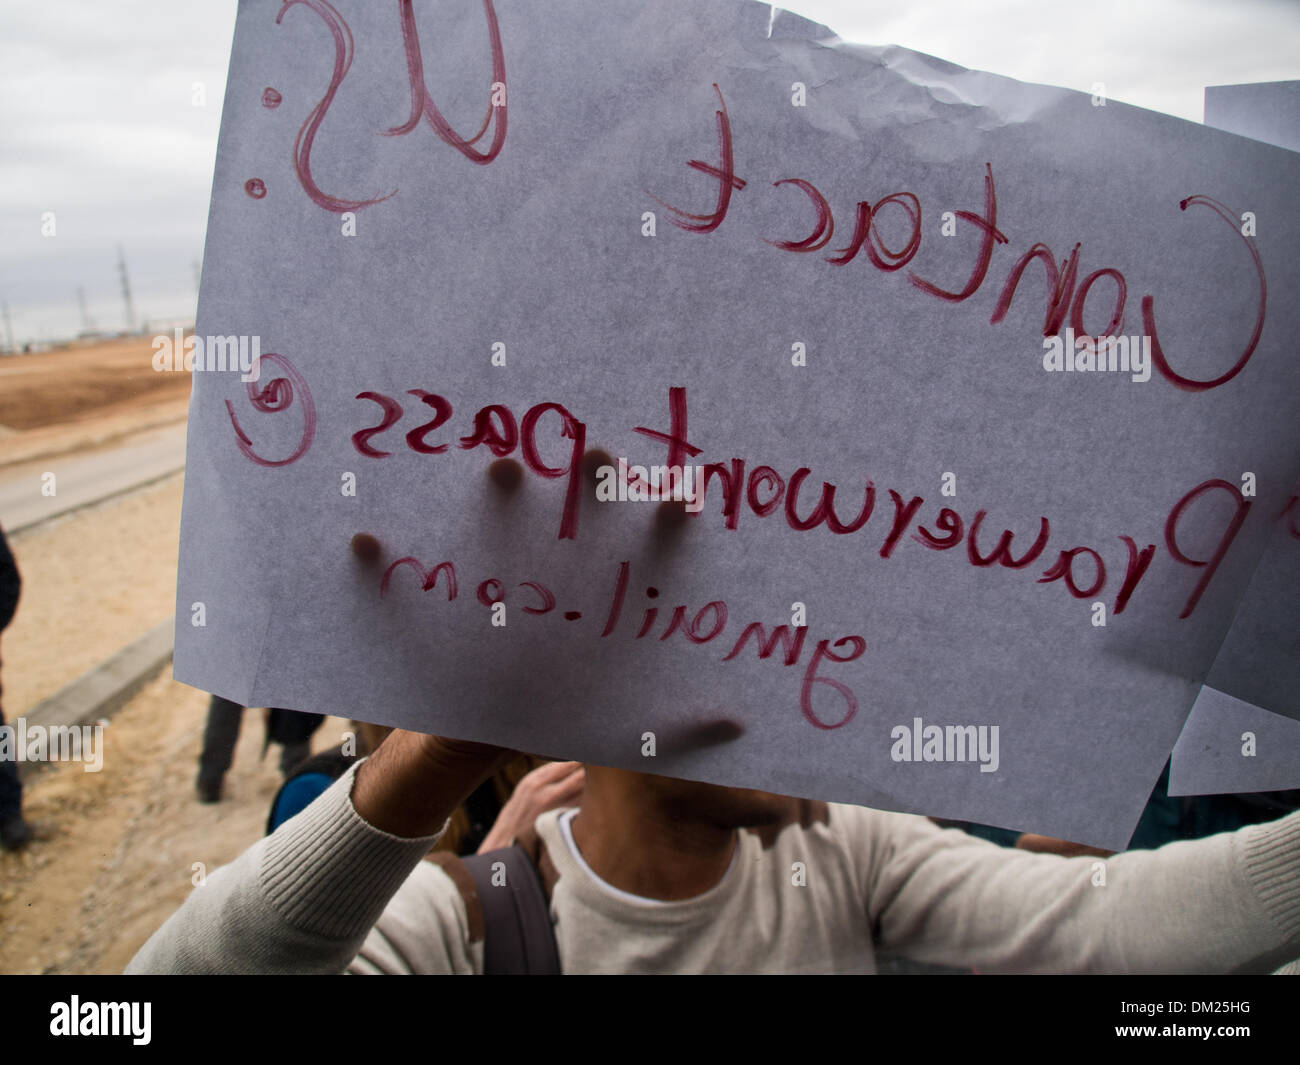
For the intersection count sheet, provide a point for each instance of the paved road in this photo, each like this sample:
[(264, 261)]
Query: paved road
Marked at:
[(81, 479)]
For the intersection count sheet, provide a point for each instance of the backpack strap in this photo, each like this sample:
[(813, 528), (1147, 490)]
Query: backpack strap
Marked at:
[(520, 938)]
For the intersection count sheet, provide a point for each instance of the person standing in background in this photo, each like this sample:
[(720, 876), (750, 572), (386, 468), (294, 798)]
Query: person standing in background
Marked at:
[(289, 728), (14, 832)]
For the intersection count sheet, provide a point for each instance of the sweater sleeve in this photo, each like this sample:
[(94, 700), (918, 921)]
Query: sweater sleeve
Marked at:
[(301, 900), (1226, 903)]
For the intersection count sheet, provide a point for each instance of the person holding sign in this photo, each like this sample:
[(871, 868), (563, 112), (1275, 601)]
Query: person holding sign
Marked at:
[(651, 874)]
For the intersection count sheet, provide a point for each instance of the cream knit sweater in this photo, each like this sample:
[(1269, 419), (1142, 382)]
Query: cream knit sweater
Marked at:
[(329, 893)]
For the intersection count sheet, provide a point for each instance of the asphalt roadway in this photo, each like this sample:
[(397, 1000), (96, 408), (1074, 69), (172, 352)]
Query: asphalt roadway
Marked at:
[(80, 480)]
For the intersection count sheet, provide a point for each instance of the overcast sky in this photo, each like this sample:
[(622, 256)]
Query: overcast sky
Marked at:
[(98, 120)]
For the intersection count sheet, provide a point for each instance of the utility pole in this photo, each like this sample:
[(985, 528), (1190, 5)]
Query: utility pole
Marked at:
[(126, 290)]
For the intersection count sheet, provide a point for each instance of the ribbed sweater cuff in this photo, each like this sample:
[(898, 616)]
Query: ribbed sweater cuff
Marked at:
[(1273, 865), (331, 873)]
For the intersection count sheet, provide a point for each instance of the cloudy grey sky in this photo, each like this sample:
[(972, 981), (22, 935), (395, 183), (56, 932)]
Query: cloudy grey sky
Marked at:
[(100, 123)]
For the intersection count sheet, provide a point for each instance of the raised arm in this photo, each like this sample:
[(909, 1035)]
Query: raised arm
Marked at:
[(304, 898)]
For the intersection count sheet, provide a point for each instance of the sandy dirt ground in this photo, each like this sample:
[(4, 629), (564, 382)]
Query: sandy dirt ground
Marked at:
[(69, 387), (116, 851), (97, 578), (123, 847), (93, 581)]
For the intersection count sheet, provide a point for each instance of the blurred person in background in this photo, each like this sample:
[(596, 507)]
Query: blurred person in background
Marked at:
[(291, 729), (14, 832)]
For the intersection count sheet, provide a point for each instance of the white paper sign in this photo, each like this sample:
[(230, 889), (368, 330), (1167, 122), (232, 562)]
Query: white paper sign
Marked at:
[(944, 563)]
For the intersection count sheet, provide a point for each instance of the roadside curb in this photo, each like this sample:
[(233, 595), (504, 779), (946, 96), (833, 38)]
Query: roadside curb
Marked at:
[(105, 689)]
